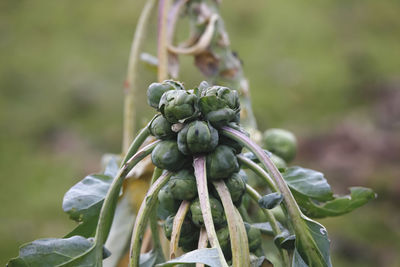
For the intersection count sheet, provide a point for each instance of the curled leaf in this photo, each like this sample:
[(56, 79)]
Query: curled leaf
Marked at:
[(270, 201)]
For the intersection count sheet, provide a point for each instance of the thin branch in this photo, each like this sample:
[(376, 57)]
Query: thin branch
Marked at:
[(259, 171), (303, 234), (163, 7), (154, 221), (203, 240), (237, 231), (199, 164), (203, 42), (142, 217), (177, 226), (110, 201), (130, 102)]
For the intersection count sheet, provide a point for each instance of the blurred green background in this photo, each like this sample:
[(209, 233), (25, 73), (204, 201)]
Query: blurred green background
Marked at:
[(326, 70)]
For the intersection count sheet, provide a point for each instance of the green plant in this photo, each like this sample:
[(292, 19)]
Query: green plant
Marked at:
[(198, 184)]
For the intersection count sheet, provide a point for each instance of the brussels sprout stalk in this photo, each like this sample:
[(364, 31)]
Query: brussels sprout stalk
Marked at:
[(203, 240), (177, 226), (136, 143), (303, 235), (153, 220), (141, 219), (199, 164), (110, 201), (237, 231), (163, 7), (259, 171)]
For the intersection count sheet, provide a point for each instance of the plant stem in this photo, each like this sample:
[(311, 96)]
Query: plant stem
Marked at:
[(177, 226), (291, 205), (237, 231), (203, 240), (142, 217), (271, 219), (131, 82), (303, 236), (217, 61), (243, 212), (199, 164), (163, 7), (139, 140), (110, 201), (154, 221), (258, 170)]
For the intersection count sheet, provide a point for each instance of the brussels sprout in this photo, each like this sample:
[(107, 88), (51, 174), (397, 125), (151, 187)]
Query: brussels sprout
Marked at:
[(217, 212), (188, 228), (166, 155), (161, 128), (167, 205), (178, 105), (224, 241), (219, 105), (236, 187), (254, 237), (156, 90), (183, 185), (189, 236), (224, 140), (221, 163), (189, 241), (280, 142), (167, 226), (197, 137)]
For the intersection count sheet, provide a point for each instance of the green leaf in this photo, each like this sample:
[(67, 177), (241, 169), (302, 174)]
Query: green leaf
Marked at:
[(285, 240), (313, 246), (308, 183), (118, 239), (86, 228), (207, 256), (257, 261), (264, 227), (83, 202), (270, 201), (339, 205), (74, 251), (148, 259), (111, 164)]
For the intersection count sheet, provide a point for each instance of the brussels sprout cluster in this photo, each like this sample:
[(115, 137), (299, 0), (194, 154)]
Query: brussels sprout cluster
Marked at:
[(187, 126)]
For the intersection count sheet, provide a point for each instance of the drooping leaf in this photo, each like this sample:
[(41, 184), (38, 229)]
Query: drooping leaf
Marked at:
[(285, 240), (111, 164), (298, 260), (313, 246), (308, 183), (263, 227), (74, 251), (148, 259), (83, 202), (270, 201), (338, 206), (207, 256), (86, 228), (118, 238), (259, 261)]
